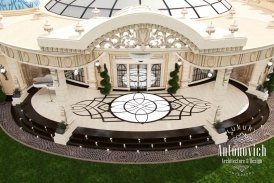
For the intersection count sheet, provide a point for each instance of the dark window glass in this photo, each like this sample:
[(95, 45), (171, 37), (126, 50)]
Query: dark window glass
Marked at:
[(70, 74), (199, 74), (156, 75), (122, 75)]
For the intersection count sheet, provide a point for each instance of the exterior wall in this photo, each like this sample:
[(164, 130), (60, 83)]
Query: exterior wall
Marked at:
[(7, 85), (31, 72), (242, 74)]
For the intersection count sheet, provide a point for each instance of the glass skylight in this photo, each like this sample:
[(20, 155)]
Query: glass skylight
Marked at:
[(7, 5), (82, 8)]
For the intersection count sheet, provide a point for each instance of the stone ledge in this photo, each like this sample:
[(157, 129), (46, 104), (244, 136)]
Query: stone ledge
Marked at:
[(261, 95)]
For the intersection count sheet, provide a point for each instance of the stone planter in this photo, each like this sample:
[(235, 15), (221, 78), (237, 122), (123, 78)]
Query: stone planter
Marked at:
[(219, 127), (60, 130)]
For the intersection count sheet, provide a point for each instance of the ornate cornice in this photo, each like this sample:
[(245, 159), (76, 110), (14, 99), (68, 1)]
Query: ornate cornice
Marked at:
[(43, 59), (232, 60), (142, 37), (71, 61)]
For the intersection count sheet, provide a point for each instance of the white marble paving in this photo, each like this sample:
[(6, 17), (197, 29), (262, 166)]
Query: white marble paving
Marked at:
[(235, 103)]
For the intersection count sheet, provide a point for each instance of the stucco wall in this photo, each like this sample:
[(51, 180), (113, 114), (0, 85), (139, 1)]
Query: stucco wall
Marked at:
[(31, 72), (242, 74)]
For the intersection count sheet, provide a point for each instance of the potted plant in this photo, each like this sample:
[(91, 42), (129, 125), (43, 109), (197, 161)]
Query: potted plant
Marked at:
[(219, 127), (16, 93), (269, 83), (2, 96), (173, 82), (61, 128)]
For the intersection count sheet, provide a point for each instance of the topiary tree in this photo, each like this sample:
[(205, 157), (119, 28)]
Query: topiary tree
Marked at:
[(2, 96), (269, 85), (173, 82), (105, 82)]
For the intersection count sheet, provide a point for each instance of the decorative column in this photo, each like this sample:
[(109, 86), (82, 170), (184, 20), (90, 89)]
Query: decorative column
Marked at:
[(215, 112), (18, 79), (91, 76), (109, 59), (219, 94), (62, 96), (257, 78), (172, 58), (191, 73), (185, 75), (257, 75), (62, 99), (149, 75)]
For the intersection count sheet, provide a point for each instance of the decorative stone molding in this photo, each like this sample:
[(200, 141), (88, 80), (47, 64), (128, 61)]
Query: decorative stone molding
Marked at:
[(49, 60), (142, 36), (146, 36), (222, 61)]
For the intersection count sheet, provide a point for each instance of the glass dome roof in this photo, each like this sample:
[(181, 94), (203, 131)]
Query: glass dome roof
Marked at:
[(82, 8), (7, 5)]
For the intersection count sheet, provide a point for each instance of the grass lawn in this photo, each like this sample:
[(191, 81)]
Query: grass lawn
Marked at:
[(19, 164)]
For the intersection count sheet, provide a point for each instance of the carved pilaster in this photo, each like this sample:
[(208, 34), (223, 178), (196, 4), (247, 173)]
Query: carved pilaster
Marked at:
[(91, 69), (172, 59), (185, 75)]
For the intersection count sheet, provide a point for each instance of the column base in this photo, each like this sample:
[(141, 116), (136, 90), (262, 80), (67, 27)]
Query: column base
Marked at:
[(184, 85), (92, 86)]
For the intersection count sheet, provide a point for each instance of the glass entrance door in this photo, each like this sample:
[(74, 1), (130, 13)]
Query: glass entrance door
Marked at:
[(138, 76)]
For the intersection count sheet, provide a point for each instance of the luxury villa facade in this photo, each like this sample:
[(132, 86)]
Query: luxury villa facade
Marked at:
[(52, 54)]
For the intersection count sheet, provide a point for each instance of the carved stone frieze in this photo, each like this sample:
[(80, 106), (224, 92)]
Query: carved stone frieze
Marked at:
[(142, 36), (49, 60)]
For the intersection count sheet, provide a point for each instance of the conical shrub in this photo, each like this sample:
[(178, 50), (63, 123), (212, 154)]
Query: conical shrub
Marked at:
[(105, 82), (173, 82)]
